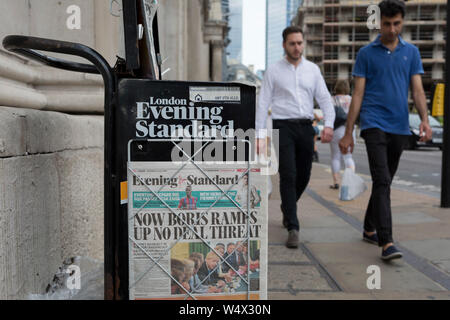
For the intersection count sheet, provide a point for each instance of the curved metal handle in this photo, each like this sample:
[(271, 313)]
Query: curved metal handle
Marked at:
[(26, 46)]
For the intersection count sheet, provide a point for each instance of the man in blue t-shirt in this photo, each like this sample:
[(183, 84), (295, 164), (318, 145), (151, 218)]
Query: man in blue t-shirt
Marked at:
[(384, 70)]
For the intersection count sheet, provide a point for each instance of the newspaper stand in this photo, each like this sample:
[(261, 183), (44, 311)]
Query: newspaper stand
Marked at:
[(145, 93), (122, 145)]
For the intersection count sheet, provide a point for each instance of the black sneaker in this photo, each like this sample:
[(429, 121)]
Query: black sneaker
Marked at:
[(373, 239), (391, 253), (285, 222)]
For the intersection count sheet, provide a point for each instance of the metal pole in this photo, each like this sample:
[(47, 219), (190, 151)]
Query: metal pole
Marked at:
[(445, 182)]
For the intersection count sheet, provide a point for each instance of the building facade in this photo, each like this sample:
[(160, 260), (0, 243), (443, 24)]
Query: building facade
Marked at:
[(192, 36), (279, 15), (336, 29), (234, 48), (51, 132)]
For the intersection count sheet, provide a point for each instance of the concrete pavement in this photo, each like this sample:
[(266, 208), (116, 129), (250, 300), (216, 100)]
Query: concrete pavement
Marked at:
[(332, 260)]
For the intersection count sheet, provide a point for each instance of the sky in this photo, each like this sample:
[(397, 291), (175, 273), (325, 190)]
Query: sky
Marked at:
[(254, 33)]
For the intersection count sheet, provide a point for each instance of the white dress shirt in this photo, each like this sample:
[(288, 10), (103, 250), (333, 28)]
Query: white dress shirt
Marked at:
[(290, 92)]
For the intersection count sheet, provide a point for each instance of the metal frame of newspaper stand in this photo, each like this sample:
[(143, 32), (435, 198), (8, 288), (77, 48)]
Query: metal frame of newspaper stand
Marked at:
[(190, 159)]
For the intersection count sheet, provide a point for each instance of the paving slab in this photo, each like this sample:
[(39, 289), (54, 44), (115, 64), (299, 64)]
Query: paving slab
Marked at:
[(443, 264), (361, 252), (412, 217), (396, 277), (437, 251), (295, 278), (310, 215), (319, 296), (348, 266), (411, 295), (281, 254), (431, 249), (423, 231), (322, 222), (277, 234), (306, 207), (274, 212), (324, 235)]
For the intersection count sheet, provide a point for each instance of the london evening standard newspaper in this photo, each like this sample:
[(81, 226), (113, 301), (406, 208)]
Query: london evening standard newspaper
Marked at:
[(192, 222)]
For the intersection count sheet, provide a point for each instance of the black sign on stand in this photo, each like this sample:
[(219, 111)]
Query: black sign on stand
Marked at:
[(152, 110)]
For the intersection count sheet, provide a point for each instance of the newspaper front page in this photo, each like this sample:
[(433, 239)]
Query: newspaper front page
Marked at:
[(191, 235)]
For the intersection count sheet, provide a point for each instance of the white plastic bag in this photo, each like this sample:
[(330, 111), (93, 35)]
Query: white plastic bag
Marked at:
[(352, 185)]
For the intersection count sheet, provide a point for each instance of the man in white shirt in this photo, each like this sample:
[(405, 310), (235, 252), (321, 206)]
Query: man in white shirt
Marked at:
[(289, 89)]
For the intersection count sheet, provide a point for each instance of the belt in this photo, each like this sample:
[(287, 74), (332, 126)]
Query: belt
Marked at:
[(296, 121)]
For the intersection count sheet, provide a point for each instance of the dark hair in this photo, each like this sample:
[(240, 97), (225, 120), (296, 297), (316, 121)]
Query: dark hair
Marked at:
[(391, 8), (289, 30)]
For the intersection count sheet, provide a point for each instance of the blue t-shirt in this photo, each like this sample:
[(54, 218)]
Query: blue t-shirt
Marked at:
[(388, 75)]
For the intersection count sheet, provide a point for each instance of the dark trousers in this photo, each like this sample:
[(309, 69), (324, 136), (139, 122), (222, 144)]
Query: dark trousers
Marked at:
[(296, 147), (384, 151)]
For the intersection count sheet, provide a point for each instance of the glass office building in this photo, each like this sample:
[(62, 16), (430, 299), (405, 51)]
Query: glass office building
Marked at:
[(234, 15)]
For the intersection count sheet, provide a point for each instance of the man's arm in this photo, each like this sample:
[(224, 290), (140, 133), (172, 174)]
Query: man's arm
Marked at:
[(355, 107), (264, 100), (323, 98), (420, 102)]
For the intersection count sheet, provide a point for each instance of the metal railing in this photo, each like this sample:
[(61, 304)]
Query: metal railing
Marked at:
[(423, 16), (426, 54), (332, 37), (330, 75), (313, 18), (359, 37), (422, 35), (331, 56)]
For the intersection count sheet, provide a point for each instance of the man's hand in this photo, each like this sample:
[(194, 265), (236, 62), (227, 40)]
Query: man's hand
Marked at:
[(345, 143), (261, 146), (425, 131), (420, 101), (327, 135), (227, 277)]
